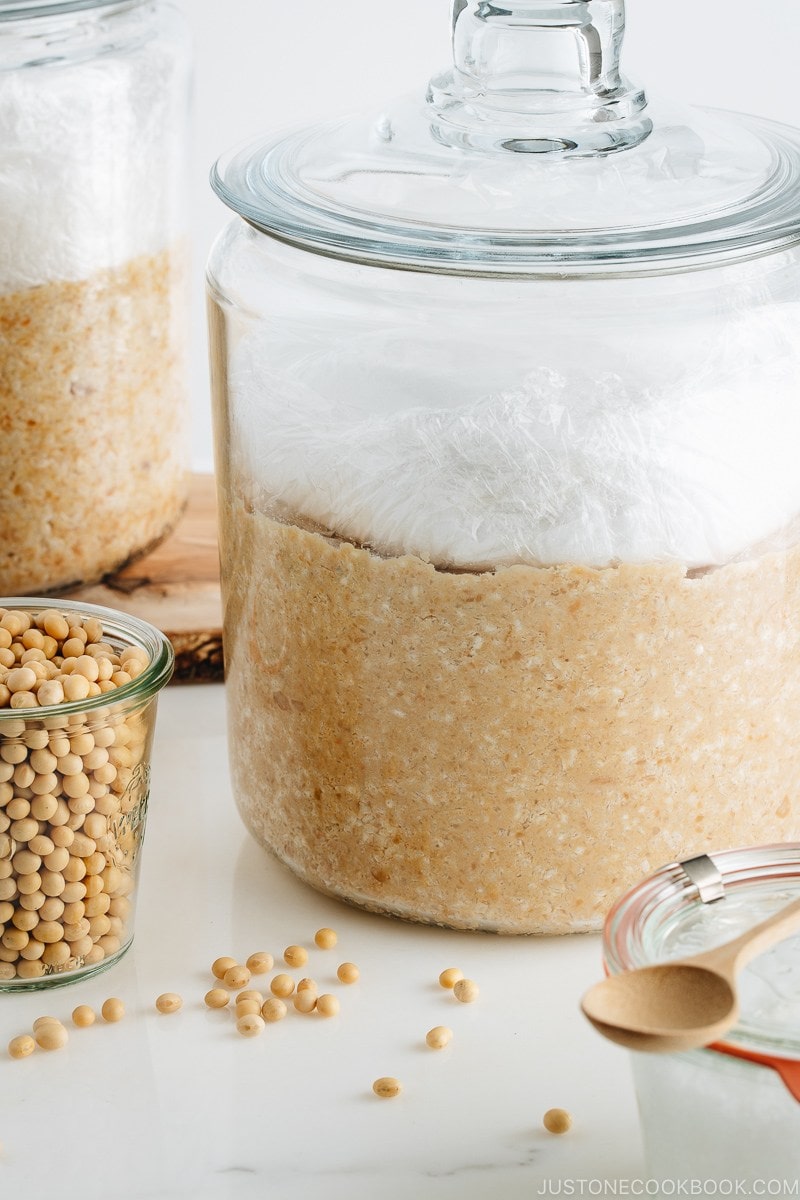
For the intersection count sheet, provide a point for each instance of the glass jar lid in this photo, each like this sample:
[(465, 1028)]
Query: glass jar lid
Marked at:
[(686, 908), (15, 10), (532, 154)]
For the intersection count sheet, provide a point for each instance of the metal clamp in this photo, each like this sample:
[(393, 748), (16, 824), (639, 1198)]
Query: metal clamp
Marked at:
[(704, 873)]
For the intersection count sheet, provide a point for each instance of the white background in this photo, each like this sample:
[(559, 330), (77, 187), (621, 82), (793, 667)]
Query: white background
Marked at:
[(263, 64)]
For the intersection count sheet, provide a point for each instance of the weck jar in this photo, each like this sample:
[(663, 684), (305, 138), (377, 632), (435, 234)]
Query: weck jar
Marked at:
[(507, 408), (93, 286), (79, 687), (731, 1111)]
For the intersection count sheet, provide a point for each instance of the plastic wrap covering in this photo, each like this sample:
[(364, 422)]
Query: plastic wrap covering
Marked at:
[(85, 176), (689, 456)]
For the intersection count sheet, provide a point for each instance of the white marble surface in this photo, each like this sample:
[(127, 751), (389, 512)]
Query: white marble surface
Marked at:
[(158, 1107)]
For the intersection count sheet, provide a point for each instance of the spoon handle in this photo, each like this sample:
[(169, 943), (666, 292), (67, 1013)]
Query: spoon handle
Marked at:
[(732, 956)]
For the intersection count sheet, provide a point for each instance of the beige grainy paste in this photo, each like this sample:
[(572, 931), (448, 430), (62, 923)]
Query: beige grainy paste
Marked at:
[(511, 750), (92, 413)]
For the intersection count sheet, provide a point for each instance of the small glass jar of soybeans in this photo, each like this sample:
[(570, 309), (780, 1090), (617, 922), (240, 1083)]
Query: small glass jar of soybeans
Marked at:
[(79, 686)]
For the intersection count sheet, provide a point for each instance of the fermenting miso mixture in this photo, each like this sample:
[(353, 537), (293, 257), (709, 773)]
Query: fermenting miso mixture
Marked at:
[(92, 295), (505, 747)]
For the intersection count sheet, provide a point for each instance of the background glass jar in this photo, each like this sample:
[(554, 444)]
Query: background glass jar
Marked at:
[(732, 1111), (507, 410), (74, 785), (93, 286)]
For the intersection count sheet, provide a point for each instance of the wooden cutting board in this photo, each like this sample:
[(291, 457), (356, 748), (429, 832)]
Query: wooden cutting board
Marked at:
[(176, 588)]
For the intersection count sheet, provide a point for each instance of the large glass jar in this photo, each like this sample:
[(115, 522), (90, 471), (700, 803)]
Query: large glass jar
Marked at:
[(507, 388), (93, 286)]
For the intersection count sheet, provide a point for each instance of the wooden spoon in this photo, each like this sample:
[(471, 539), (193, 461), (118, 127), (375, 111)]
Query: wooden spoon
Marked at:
[(686, 1003)]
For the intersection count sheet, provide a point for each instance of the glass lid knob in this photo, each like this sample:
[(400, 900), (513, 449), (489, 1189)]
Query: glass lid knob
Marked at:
[(538, 77)]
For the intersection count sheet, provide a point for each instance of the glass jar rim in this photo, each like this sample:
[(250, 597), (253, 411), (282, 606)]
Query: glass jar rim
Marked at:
[(118, 625), (653, 906), (20, 10)]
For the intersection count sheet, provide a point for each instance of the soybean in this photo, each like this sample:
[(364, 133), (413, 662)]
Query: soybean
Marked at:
[(260, 963), (387, 1087), (236, 977), (439, 1037), (250, 1025), (305, 1001), (557, 1120), (282, 985), (113, 1009), (466, 991), (221, 965), (295, 956), (248, 1007), (169, 1002), (327, 1005), (51, 1036), (22, 1046), (273, 1010)]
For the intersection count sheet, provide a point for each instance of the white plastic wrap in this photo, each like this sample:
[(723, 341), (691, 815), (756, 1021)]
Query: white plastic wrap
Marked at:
[(84, 172), (689, 457)]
